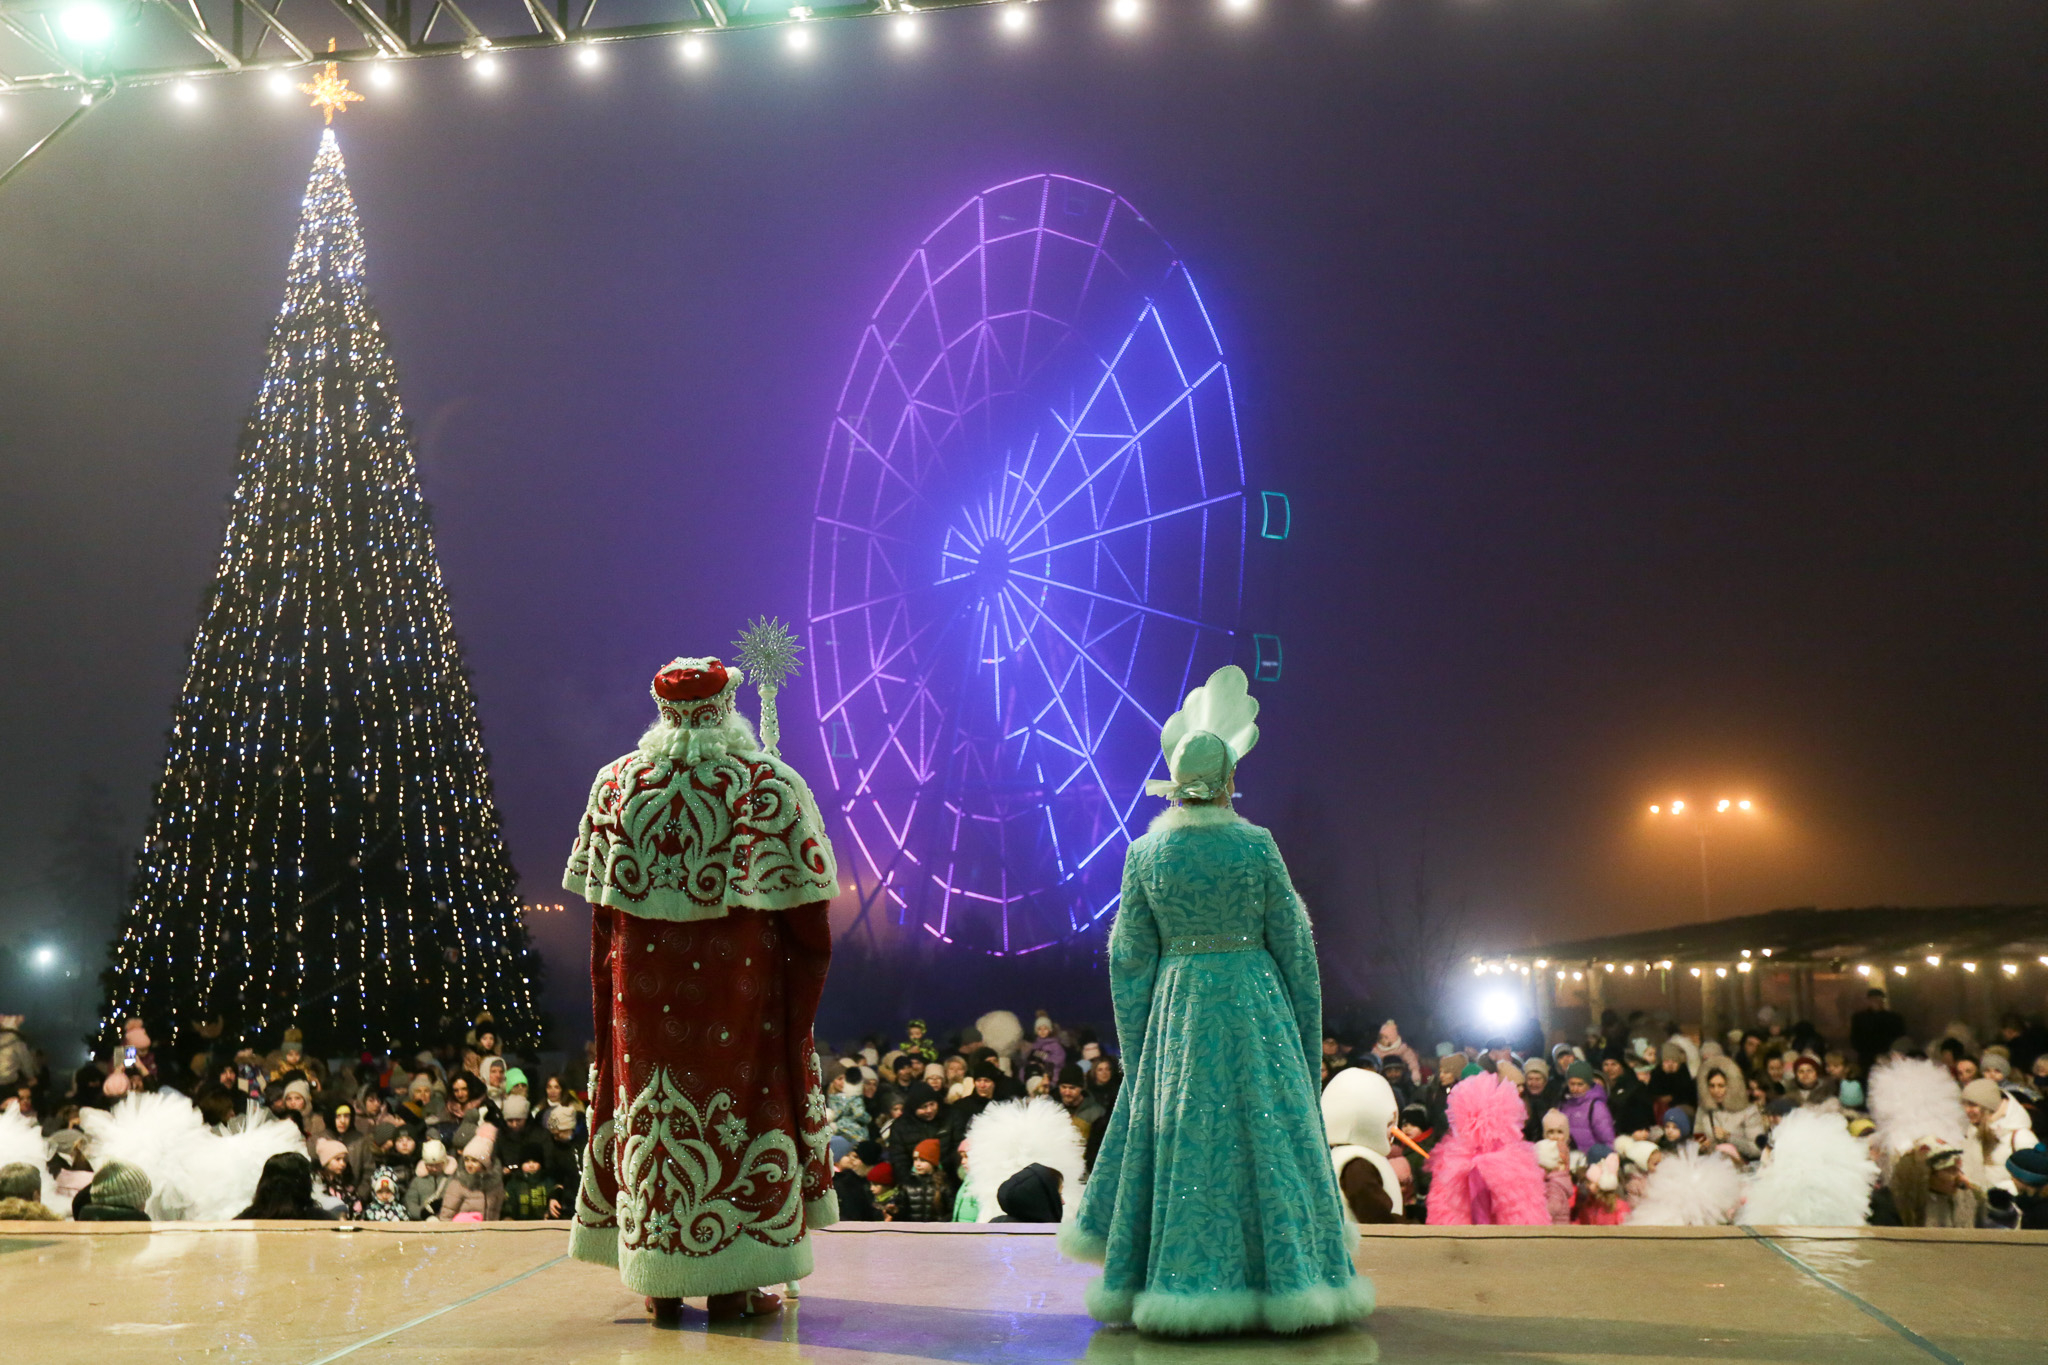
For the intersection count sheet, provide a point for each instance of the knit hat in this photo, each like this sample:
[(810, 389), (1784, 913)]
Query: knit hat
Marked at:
[(383, 1186), (868, 1150), (970, 1034), (1679, 1118), (1536, 1066), (514, 1076), (1810, 1060), (326, 1149), (928, 1150), (1071, 1074), (841, 1148), (485, 1141), (1995, 1060), (1984, 1093), (19, 1180), (1636, 1152), (561, 1119), (1416, 1115), (1579, 1071), (1851, 1094), (433, 1156), (1939, 1153), (300, 1088), (2029, 1167), (386, 1131), (121, 1186), (881, 1173), (1670, 1052), (515, 1107), (988, 1071)]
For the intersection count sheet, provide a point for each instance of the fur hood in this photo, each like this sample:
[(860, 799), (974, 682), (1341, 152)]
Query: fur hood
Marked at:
[(1738, 1088), (1358, 1108)]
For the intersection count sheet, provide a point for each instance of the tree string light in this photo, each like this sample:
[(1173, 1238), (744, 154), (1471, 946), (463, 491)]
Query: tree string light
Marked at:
[(325, 850)]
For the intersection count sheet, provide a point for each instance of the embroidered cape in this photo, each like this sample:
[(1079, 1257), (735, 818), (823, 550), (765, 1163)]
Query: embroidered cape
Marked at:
[(664, 838)]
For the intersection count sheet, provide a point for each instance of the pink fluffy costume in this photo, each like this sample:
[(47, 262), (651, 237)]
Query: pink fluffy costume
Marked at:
[(1484, 1172)]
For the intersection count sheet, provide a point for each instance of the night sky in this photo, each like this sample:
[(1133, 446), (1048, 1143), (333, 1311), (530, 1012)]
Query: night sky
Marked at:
[(1659, 386)]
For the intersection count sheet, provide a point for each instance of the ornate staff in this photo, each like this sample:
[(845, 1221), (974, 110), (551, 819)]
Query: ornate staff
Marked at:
[(767, 653)]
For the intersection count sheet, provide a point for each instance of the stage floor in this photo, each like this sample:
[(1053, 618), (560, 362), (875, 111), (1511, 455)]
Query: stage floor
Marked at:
[(312, 1294)]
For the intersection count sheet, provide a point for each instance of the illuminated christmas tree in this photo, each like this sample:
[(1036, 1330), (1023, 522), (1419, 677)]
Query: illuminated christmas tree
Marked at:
[(325, 850)]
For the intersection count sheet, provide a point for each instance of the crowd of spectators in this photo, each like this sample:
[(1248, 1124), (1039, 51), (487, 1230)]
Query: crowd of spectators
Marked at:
[(461, 1132), (1601, 1113), (467, 1131)]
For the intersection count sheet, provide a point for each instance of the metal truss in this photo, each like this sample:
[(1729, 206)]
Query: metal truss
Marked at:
[(170, 40), (154, 42)]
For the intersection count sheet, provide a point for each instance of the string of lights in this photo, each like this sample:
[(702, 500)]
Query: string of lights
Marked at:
[(325, 850), (91, 49)]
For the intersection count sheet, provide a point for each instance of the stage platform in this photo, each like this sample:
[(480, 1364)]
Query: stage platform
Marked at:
[(500, 1294)]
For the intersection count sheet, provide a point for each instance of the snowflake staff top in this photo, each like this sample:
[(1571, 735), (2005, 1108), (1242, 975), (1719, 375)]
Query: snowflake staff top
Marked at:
[(767, 652)]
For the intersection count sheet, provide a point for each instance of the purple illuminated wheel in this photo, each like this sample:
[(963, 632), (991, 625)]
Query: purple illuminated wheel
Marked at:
[(1029, 544)]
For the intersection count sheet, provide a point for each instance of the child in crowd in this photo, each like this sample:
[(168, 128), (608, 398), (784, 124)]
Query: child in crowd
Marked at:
[(882, 1190), (922, 1195)]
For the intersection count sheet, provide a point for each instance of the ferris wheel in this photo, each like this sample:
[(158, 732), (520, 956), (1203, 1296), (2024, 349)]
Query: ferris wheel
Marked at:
[(1028, 545)]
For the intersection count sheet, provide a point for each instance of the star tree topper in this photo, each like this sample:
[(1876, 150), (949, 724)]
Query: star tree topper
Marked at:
[(330, 91), (767, 653)]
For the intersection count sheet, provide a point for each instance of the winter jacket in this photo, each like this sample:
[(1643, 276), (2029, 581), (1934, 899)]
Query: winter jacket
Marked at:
[(1590, 1214), (1592, 1124), (526, 1196), (856, 1200), (1628, 1101), (1483, 1172), (1560, 1192), (1538, 1104), (2011, 1131), (1737, 1123), (423, 1196), (846, 1115), (482, 1193), (919, 1200)]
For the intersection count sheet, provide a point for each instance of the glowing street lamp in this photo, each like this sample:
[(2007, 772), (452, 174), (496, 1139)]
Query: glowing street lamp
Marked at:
[(1678, 810)]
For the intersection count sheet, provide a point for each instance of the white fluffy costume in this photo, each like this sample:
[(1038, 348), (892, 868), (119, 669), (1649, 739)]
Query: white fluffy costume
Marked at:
[(1689, 1189), (1358, 1110), (1816, 1174), (1213, 1207), (1005, 1138), (708, 874)]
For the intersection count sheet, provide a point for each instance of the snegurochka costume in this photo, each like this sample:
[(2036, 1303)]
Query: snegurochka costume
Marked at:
[(708, 872), (1213, 1206)]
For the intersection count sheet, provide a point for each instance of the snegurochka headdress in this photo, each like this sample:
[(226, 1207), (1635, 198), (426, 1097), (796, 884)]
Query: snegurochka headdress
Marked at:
[(1204, 740)]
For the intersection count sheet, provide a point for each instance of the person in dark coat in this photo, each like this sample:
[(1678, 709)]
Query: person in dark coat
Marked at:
[(910, 1131), (851, 1164), (988, 1079), (1672, 1082), (1628, 1099), (1874, 1028), (1541, 1093)]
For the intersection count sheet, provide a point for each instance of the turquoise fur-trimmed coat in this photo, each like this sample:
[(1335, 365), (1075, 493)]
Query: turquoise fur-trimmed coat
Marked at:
[(1213, 1207)]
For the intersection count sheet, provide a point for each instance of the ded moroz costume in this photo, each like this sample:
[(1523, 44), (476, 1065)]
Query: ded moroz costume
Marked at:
[(708, 872), (1213, 1205)]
